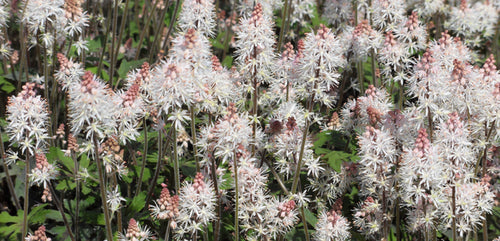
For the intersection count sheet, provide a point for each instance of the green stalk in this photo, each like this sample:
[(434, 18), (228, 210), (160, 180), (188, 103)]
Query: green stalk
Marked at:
[(23, 62), (157, 32), (9, 180), (254, 111), (283, 22), (122, 27), (60, 207), (193, 136), (102, 185), (144, 155), (374, 69), (101, 58), (453, 207), (77, 206), (361, 78), (301, 155), (113, 43), (236, 198), (172, 23), (158, 164), (485, 227), (219, 213), (143, 32), (26, 195), (176, 162)]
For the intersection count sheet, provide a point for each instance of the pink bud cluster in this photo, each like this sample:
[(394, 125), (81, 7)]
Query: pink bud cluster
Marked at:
[(167, 206), (454, 124), (460, 72), (256, 18), (286, 208), (422, 144), (412, 22), (39, 235)]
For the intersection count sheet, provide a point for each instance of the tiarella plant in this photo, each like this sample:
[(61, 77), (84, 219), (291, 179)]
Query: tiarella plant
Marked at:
[(249, 120)]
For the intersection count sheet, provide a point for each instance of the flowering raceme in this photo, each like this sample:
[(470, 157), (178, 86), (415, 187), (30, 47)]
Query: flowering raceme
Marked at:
[(196, 207), (91, 107), (255, 54), (28, 120), (318, 67)]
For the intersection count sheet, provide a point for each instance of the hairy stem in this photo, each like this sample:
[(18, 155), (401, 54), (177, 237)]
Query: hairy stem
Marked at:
[(26, 195), (171, 27), (9, 180), (193, 136), (101, 57), (143, 32), (176, 162), (102, 187), (60, 207), (283, 22), (236, 198), (77, 195), (144, 155), (219, 201)]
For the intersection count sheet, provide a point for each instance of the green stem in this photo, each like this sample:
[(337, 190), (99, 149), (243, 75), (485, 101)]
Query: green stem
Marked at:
[(101, 58), (193, 136), (255, 97), (143, 32), (283, 22), (60, 207), (102, 185), (171, 27), (26, 195), (236, 198), (77, 206), (113, 43), (152, 184), (361, 78), (219, 210), (120, 33), (176, 162), (9, 180), (296, 177), (157, 32), (453, 208), (144, 155)]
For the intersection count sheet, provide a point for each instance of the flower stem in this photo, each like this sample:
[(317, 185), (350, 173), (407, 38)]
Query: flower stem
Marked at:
[(453, 207), (283, 22), (193, 136), (113, 43), (172, 23), (176, 162), (216, 188), (77, 182), (26, 195), (236, 198), (9, 180), (60, 207), (102, 184), (143, 32), (144, 155)]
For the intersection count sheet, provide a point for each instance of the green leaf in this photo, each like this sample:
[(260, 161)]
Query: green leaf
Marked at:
[(227, 62), (105, 75), (310, 218), (126, 66), (56, 154), (323, 137), (137, 203), (10, 225), (7, 87), (335, 159)]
